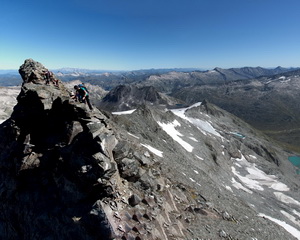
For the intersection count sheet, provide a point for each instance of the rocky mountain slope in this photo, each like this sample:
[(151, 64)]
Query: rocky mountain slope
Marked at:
[(193, 173), (267, 103), (127, 97), (8, 99), (173, 81)]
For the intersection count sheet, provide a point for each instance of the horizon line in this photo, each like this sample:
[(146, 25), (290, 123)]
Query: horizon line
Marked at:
[(144, 69)]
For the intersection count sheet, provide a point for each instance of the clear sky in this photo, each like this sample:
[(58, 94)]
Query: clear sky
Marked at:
[(142, 34)]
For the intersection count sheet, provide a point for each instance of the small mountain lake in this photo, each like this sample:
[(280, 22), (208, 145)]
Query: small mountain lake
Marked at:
[(295, 160)]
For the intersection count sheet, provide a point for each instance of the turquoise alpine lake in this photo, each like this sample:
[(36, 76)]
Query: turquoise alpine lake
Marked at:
[(295, 160)]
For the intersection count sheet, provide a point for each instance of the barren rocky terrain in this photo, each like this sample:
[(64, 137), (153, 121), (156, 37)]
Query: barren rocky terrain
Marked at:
[(8, 99), (196, 172)]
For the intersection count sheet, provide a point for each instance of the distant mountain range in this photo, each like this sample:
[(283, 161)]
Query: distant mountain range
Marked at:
[(110, 79), (168, 80)]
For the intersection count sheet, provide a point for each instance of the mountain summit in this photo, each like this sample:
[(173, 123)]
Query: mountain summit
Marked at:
[(190, 173)]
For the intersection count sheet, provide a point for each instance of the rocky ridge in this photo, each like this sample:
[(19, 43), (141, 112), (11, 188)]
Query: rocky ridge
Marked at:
[(69, 173), (127, 97), (175, 81)]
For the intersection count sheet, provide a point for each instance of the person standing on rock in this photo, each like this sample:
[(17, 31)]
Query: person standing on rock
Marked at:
[(49, 77), (83, 96)]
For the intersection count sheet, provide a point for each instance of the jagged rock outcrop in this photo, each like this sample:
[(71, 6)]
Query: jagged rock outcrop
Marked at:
[(70, 173), (56, 163), (35, 72)]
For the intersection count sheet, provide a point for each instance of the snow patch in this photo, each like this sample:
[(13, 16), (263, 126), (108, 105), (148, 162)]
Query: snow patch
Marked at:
[(192, 180), (202, 125), (194, 139), (286, 199), (296, 213), (295, 232), (250, 183), (285, 81), (153, 150), (256, 177), (169, 128), (203, 132), (228, 188), (124, 112), (133, 135), (237, 165), (291, 217), (237, 185)]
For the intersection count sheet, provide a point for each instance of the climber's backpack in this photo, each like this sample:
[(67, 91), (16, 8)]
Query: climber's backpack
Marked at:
[(83, 87)]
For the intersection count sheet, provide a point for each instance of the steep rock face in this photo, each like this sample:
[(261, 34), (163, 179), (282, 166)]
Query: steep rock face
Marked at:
[(56, 162), (32, 71)]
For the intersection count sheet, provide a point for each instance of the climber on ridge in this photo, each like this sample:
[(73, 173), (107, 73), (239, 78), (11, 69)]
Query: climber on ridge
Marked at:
[(82, 95), (49, 77)]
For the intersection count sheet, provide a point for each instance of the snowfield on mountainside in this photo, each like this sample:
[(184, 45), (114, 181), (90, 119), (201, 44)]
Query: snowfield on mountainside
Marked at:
[(246, 175)]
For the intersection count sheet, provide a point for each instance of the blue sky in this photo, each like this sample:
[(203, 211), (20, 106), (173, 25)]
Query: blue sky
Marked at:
[(142, 34)]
